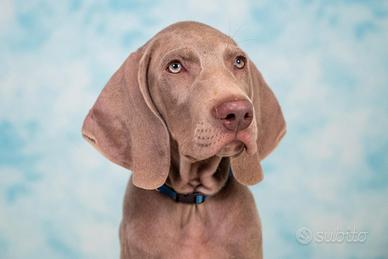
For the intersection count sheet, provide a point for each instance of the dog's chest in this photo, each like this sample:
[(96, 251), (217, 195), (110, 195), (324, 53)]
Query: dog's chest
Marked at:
[(195, 239), (188, 246), (155, 227)]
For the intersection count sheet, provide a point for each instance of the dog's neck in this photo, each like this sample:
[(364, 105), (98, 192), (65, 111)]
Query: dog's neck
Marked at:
[(206, 176)]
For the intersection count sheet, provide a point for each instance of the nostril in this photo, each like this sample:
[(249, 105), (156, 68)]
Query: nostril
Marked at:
[(247, 116), (230, 117)]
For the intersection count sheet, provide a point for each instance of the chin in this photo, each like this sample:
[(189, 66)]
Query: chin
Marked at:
[(232, 149)]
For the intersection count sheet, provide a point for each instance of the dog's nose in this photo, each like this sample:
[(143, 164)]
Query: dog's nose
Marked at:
[(235, 115)]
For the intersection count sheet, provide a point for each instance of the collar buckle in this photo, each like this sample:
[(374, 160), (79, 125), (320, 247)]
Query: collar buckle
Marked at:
[(190, 198)]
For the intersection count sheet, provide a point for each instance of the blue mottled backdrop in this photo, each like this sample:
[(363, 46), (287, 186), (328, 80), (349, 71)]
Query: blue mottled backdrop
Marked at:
[(326, 61)]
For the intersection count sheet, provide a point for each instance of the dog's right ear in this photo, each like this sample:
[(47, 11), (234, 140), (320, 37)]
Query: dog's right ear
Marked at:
[(125, 126)]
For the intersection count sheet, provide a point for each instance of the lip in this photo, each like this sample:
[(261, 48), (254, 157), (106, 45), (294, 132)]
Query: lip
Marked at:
[(245, 140), (243, 147), (232, 149)]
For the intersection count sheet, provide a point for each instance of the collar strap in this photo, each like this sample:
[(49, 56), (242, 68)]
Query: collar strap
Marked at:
[(191, 198)]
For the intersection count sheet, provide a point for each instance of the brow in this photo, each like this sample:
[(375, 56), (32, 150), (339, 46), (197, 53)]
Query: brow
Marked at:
[(185, 54), (231, 51)]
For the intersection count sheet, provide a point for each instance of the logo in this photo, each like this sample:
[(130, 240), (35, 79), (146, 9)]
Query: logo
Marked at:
[(305, 236)]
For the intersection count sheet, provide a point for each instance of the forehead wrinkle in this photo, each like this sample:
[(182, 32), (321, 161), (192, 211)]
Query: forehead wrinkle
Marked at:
[(215, 59)]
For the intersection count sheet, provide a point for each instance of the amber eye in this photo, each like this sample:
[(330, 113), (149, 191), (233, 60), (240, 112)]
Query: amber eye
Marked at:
[(174, 67), (239, 62)]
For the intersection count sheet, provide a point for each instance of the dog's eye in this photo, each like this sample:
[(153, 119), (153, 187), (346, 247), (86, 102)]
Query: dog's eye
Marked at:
[(175, 67), (239, 62)]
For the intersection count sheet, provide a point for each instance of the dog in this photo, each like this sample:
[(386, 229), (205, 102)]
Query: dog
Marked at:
[(192, 117)]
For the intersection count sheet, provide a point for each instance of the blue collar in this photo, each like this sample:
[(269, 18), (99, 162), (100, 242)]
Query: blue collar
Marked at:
[(191, 198)]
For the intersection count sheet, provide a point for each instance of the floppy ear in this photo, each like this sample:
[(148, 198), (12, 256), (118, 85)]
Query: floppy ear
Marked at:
[(271, 127), (125, 127)]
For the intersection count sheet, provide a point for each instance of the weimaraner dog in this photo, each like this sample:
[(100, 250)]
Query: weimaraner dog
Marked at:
[(191, 116)]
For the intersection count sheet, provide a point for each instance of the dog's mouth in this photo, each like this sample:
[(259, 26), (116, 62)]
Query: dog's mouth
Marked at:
[(219, 144), (232, 149)]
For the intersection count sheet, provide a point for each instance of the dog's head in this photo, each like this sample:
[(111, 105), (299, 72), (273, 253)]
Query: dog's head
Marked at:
[(192, 86)]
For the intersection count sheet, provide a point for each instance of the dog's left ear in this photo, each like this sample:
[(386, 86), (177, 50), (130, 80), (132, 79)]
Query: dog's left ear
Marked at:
[(271, 127)]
